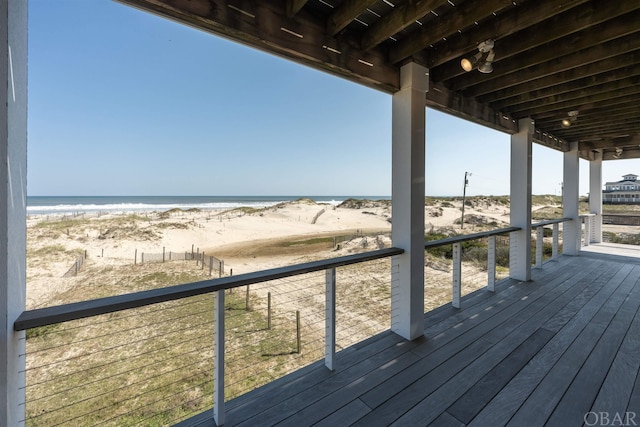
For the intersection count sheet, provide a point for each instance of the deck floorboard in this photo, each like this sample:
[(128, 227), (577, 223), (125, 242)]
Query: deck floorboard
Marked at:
[(544, 352)]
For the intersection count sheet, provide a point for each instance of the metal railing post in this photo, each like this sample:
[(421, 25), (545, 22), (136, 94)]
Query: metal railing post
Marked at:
[(330, 318), (587, 230), (457, 274), (539, 246), (554, 247), (491, 263), (218, 358)]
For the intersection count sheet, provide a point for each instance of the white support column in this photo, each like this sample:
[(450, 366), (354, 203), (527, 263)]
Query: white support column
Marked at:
[(520, 241), (595, 196), (13, 195), (571, 231), (408, 191)]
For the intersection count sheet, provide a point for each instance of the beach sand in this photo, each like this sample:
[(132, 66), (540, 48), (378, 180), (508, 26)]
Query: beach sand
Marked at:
[(245, 239)]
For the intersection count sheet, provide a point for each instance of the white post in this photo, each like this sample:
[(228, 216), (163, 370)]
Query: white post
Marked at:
[(554, 247), (13, 193), (330, 318), (587, 230), (218, 358), (520, 215), (571, 231), (539, 246), (456, 282), (491, 263), (595, 196), (408, 191)]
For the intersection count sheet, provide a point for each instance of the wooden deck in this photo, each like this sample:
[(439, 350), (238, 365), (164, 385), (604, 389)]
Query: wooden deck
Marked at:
[(547, 352)]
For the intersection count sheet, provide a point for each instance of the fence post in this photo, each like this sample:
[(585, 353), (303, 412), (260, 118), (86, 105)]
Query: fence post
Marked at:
[(169, 255), (269, 310), (539, 245), (298, 331), (135, 258), (491, 263), (76, 264), (210, 265), (330, 318), (163, 253), (457, 275), (218, 358), (554, 248), (202, 260), (142, 258), (246, 304)]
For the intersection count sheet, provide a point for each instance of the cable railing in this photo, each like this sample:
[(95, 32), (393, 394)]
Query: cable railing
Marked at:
[(160, 356), (541, 252), (587, 228), (474, 271), (163, 355)]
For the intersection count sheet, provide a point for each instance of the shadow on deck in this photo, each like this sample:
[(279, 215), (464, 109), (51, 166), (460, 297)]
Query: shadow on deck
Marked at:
[(563, 349)]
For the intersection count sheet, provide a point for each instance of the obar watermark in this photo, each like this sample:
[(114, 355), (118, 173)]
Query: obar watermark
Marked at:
[(610, 419)]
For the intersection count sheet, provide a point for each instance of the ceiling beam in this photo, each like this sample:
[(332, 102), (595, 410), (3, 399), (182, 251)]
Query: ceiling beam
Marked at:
[(593, 98), (584, 122), (507, 23), (345, 13), (265, 25), (399, 19), (460, 17), (580, 84), (556, 28), (294, 6), (578, 60), (601, 67), (442, 99), (548, 102), (626, 154), (610, 143), (607, 129)]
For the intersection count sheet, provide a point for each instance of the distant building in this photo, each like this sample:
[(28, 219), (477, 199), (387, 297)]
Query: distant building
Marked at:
[(626, 191)]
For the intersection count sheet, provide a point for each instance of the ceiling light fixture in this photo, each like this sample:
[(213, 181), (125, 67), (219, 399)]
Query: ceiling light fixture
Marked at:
[(571, 119), (482, 59), (618, 153)]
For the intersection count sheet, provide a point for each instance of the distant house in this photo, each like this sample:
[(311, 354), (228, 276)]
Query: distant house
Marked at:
[(626, 191)]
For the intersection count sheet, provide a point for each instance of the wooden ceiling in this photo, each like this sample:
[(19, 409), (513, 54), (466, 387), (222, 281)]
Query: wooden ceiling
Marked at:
[(551, 56)]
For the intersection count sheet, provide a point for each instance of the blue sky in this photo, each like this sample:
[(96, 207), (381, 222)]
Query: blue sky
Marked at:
[(122, 102)]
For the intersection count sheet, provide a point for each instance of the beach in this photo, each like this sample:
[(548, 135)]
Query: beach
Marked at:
[(246, 239)]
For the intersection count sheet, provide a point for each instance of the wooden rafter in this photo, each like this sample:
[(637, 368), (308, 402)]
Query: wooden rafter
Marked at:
[(345, 13), (399, 19), (552, 56)]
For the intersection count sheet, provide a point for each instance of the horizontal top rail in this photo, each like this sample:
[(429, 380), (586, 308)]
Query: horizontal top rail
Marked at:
[(78, 310), (550, 222), (586, 215), (467, 237)]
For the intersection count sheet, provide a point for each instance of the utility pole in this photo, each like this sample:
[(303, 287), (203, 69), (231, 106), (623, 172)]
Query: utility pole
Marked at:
[(464, 196)]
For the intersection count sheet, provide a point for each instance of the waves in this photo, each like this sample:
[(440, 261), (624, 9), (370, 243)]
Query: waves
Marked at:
[(38, 205)]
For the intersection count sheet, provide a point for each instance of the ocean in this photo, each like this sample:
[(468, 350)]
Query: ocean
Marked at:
[(62, 205)]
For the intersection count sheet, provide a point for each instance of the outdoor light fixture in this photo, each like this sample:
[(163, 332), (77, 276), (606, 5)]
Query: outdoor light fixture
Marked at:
[(571, 119), (618, 153), (482, 59)]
